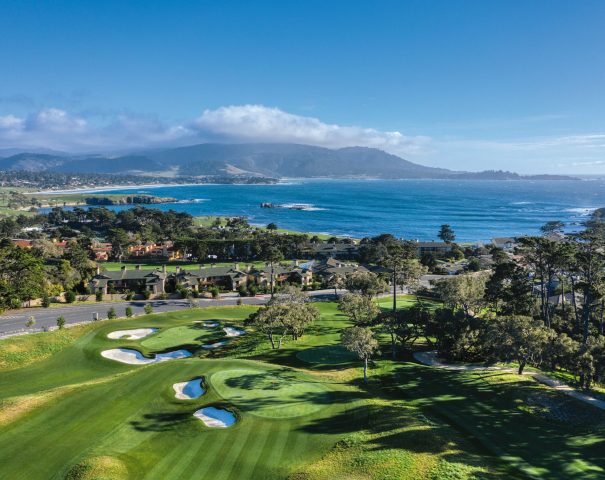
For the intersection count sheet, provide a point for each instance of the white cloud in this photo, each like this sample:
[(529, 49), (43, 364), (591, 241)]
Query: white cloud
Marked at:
[(54, 128), (57, 129), (257, 123)]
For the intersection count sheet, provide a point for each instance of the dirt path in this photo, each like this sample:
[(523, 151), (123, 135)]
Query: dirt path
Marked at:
[(430, 358)]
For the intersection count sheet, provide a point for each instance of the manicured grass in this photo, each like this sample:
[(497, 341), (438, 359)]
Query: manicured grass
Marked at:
[(184, 335), (302, 412), (272, 393), (326, 355), (171, 266)]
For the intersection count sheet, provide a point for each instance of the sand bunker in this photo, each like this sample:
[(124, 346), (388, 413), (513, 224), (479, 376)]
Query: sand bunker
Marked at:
[(189, 390), (134, 334), (214, 345), (233, 332), (134, 357), (215, 417), (210, 324)]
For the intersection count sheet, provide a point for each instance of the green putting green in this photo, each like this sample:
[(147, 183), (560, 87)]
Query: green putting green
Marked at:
[(183, 335), (271, 393), (327, 355)]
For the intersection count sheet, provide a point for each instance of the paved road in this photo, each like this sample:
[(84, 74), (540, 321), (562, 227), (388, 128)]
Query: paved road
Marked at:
[(14, 322)]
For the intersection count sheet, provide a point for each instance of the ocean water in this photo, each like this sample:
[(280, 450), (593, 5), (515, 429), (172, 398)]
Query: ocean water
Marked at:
[(413, 209)]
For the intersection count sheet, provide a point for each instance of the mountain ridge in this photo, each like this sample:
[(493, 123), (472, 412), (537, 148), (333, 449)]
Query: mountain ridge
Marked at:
[(276, 160)]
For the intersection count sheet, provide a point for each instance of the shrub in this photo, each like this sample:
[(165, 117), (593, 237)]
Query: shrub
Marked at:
[(214, 292), (240, 301), (70, 296), (129, 295), (61, 322), (128, 312), (45, 301), (99, 296), (148, 308), (146, 294), (252, 290), (243, 291), (31, 321), (111, 313)]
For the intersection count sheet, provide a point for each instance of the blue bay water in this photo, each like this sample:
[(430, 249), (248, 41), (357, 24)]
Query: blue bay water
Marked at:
[(414, 209)]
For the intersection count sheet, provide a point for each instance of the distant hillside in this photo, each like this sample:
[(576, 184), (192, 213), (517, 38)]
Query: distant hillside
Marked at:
[(251, 159)]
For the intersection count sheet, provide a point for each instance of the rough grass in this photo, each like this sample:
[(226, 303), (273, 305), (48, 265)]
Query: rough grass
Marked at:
[(26, 349), (98, 468)]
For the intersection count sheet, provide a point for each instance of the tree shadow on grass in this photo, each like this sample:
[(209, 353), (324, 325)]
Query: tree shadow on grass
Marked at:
[(162, 422)]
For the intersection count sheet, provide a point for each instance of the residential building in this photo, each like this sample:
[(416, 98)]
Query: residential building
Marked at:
[(133, 279)]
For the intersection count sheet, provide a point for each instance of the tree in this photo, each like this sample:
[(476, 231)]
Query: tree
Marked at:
[(360, 309), (61, 322), (111, 313), (128, 312), (519, 338), (22, 276), (509, 290), (446, 233), (361, 342), (273, 255), (272, 226), (31, 321), (70, 296), (148, 309), (463, 291), (120, 241), (365, 283), (287, 313)]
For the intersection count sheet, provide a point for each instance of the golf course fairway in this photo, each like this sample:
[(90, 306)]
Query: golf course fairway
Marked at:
[(301, 412)]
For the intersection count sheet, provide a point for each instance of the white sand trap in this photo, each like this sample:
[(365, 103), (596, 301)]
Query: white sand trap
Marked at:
[(189, 390), (215, 417), (134, 334), (233, 332), (214, 345), (134, 357), (210, 324)]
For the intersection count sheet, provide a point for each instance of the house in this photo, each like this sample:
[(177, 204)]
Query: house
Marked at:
[(342, 250), (436, 248), (327, 270), (295, 274), (164, 250), (22, 243), (229, 278), (101, 250), (133, 279), (507, 244)]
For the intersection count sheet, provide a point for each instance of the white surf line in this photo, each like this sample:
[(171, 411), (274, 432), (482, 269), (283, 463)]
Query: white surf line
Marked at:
[(189, 390), (133, 334), (431, 359), (233, 332), (134, 357), (215, 417)]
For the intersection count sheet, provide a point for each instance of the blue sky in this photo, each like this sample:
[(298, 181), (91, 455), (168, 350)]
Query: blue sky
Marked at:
[(517, 85)]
